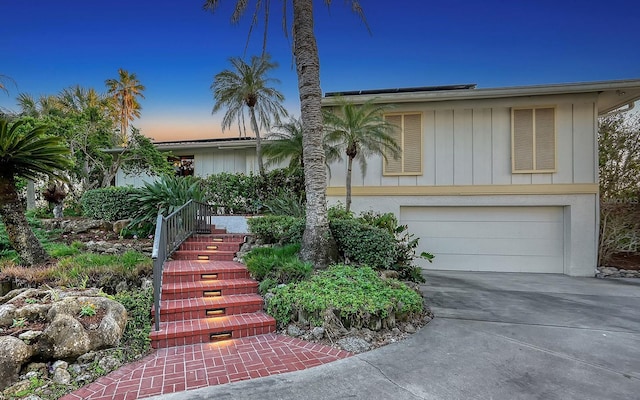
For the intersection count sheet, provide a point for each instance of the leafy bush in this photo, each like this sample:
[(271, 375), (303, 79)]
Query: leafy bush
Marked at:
[(286, 202), (111, 204), (619, 230), (355, 295), (248, 194), (135, 340), (165, 196), (363, 244), (277, 264), (277, 229)]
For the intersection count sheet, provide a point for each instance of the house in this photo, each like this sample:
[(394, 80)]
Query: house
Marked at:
[(203, 158), (501, 179), (496, 179)]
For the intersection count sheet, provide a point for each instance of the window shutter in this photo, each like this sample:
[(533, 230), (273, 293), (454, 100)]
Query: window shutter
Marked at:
[(412, 147), (545, 139), (523, 140), (393, 166)]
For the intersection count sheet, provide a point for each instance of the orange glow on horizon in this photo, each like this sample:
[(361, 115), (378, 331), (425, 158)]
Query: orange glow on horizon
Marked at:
[(165, 131)]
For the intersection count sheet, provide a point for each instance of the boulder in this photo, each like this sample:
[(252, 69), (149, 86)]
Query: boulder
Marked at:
[(119, 225), (354, 345), (13, 353)]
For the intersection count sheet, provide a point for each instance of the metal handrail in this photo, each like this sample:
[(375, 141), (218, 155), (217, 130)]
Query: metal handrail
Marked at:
[(171, 232)]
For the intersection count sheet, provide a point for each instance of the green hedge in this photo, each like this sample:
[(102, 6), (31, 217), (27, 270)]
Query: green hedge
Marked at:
[(247, 194), (277, 229), (364, 244), (111, 204)]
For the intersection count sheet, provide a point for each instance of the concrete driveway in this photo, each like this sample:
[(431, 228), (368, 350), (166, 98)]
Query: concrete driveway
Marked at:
[(495, 336)]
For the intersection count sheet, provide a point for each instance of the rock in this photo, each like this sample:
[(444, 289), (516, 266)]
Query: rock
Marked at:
[(389, 274), (13, 353), (31, 375), (32, 397), (119, 225), (29, 336), (409, 328), (84, 378), (122, 286), (7, 314), (317, 332), (60, 364), (109, 363), (146, 284), (294, 331), (354, 345), (39, 367), (87, 357), (62, 376), (65, 337), (13, 390), (78, 225)]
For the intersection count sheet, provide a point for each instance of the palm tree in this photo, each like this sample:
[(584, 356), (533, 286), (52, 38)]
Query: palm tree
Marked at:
[(361, 131), (3, 86), (285, 143), (248, 85), (125, 90), (318, 246), (26, 155), (45, 105)]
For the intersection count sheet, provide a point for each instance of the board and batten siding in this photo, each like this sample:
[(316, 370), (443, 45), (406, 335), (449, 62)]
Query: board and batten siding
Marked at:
[(206, 162), (469, 143)]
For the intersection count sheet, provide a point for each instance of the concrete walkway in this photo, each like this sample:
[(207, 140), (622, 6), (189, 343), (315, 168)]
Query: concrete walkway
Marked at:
[(495, 336)]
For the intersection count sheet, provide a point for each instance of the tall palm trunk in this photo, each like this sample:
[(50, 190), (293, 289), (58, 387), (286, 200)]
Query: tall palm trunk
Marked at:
[(20, 234), (254, 125), (348, 184), (318, 245)]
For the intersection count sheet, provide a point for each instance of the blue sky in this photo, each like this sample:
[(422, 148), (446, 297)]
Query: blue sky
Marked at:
[(176, 48)]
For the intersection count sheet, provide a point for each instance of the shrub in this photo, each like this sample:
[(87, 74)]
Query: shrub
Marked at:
[(277, 264), (135, 340), (619, 230), (355, 295), (248, 194), (163, 196), (363, 244), (286, 202), (277, 229), (111, 204)]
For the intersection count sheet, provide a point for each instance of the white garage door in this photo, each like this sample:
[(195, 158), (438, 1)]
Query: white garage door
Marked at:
[(509, 239)]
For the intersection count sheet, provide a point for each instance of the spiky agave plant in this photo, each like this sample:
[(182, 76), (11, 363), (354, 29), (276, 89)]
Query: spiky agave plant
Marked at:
[(165, 196)]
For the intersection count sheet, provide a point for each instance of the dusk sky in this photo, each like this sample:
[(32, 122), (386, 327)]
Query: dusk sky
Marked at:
[(176, 48)]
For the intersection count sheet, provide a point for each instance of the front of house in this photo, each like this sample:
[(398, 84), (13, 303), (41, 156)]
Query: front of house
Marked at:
[(502, 179), (492, 179)]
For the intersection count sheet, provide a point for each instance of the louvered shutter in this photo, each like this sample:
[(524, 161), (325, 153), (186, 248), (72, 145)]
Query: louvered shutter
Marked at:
[(412, 146), (523, 140), (394, 166), (545, 139)]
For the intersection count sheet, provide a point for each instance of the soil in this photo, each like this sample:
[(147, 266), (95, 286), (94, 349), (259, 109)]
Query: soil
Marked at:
[(628, 261)]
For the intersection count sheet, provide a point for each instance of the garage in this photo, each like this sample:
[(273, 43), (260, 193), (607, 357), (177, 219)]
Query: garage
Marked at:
[(487, 238)]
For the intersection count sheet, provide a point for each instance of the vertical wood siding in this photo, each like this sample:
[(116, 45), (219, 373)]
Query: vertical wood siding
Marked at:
[(469, 143)]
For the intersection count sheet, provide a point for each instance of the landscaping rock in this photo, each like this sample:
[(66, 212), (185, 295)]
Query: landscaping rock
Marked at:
[(62, 376), (29, 336), (317, 332), (294, 331), (119, 225), (354, 345), (109, 363), (16, 388), (79, 225), (13, 353), (409, 328)]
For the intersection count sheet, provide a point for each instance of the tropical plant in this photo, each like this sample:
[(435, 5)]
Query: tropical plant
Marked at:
[(248, 85), (318, 246), (285, 143), (3, 86), (164, 196), (26, 155), (360, 131), (125, 90)]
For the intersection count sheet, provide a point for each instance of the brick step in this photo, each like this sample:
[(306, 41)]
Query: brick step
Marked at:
[(204, 255), (208, 307), (219, 237), (226, 287), (193, 331), (225, 246), (177, 271)]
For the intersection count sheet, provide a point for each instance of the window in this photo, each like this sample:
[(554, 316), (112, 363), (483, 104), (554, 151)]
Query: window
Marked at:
[(182, 165), (533, 140), (408, 135)]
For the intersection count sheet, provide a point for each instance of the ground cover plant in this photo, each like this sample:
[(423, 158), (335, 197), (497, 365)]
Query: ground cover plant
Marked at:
[(357, 296)]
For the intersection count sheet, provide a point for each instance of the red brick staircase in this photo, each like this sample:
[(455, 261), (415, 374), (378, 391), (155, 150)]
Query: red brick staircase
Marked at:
[(206, 296)]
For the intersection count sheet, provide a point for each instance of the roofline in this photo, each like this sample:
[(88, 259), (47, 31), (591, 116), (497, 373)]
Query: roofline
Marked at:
[(220, 143), (488, 93)]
